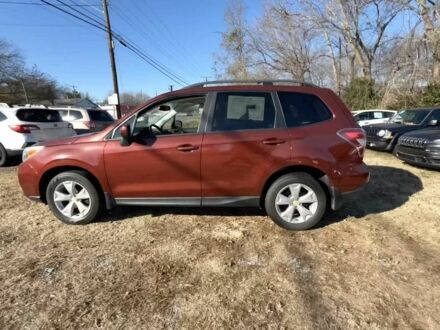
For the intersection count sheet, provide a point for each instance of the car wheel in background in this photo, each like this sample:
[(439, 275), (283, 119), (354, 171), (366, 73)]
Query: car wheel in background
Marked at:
[(296, 201), (73, 198), (3, 156)]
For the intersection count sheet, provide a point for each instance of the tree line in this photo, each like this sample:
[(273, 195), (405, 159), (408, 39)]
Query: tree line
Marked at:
[(374, 53), (21, 85)]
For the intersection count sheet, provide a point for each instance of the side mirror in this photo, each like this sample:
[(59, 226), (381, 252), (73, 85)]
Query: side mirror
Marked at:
[(433, 122), (125, 135)]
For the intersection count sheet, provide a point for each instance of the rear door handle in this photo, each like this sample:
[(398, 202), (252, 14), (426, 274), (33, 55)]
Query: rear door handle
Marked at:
[(273, 141), (187, 147)]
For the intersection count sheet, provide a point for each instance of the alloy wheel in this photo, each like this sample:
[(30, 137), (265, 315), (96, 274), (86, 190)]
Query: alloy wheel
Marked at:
[(72, 200), (296, 203)]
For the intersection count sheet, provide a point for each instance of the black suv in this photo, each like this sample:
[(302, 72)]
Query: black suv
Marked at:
[(421, 147), (385, 136)]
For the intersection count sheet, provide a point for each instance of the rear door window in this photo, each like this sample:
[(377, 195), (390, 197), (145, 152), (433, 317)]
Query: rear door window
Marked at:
[(99, 115), (303, 109), (243, 111), (38, 115), (75, 115)]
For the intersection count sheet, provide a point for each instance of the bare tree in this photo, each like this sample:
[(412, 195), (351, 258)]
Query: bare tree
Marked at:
[(285, 42), (429, 11), (361, 23), (235, 44)]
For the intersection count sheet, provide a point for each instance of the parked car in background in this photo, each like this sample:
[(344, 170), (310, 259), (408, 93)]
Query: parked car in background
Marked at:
[(86, 120), (384, 136), (420, 147), (23, 127), (374, 116), (289, 147)]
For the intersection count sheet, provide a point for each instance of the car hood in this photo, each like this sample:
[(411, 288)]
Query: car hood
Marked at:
[(82, 138), (432, 134), (393, 127)]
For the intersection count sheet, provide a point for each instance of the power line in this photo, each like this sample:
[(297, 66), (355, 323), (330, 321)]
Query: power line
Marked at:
[(39, 4), (139, 14), (146, 57), (155, 64)]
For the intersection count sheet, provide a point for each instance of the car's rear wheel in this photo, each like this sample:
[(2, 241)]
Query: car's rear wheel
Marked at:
[(296, 201), (3, 156), (73, 198)]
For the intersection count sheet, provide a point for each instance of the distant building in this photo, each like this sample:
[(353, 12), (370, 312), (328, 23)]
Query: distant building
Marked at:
[(83, 103)]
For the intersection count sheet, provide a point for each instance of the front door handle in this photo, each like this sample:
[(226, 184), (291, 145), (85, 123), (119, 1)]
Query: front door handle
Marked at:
[(273, 141), (187, 147)]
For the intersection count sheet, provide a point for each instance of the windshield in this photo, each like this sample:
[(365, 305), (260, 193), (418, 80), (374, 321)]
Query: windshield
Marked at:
[(38, 115), (410, 117)]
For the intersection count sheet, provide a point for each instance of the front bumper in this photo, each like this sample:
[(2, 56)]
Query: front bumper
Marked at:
[(28, 179), (419, 157), (378, 143)]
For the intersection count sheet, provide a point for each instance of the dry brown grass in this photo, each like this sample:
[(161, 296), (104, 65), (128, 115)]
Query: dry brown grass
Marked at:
[(375, 264)]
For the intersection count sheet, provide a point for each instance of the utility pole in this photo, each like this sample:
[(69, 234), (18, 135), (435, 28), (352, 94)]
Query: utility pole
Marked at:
[(111, 47), (170, 88)]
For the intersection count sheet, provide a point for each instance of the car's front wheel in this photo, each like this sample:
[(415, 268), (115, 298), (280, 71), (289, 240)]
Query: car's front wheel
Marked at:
[(296, 201), (73, 198)]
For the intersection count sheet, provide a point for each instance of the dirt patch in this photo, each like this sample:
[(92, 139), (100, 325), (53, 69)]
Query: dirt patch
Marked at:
[(374, 264)]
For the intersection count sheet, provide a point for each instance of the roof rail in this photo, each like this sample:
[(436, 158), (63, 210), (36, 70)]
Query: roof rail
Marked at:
[(252, 82)]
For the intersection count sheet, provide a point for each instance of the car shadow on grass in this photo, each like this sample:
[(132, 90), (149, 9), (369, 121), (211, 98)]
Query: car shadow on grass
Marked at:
[(388, 189)]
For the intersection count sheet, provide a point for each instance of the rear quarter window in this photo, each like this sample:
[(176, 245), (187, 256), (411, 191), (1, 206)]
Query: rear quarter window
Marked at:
[(75, 115), (99, 115), (38, 115), (2, 116), (303, 109)]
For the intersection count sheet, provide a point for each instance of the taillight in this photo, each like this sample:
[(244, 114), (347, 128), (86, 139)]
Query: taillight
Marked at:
[(24, 128), (356, 137), (90, 124)]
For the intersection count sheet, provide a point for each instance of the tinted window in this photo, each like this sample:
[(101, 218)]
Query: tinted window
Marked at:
[(99, 115), (239, 111), (74, 115), (303, 109), (2, 116), (38, 115), (435, 115), (410, 117), (388, 114), (362, 116)]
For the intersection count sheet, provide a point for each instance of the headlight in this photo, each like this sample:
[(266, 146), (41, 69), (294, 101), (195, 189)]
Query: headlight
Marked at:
[(30, 152), (384, 133)]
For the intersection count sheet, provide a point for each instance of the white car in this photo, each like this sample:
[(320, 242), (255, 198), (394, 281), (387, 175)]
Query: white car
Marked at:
[(85, 120), (23, 127), (373, 116)]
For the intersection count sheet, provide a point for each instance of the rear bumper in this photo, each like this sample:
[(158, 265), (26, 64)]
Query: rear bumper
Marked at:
[(418, 157), (352, 183)]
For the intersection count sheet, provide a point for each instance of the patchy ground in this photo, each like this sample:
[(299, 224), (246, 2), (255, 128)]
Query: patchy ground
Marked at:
[(375, 264)]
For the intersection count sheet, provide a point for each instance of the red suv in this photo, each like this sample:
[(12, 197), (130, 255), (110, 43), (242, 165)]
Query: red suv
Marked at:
[(291, 148)]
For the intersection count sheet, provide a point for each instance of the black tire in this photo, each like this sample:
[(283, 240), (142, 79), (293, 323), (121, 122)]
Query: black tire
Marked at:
[(93, 202), (4, 158), (306, 182)]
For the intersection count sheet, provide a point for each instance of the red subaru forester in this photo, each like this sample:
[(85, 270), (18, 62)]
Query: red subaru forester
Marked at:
[(289, 147)]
